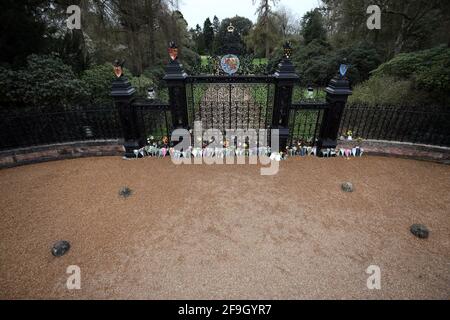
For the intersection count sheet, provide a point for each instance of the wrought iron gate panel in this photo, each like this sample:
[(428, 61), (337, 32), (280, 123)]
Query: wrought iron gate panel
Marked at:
[(306, 114), (153, 119), (304, 126), (222, 103)]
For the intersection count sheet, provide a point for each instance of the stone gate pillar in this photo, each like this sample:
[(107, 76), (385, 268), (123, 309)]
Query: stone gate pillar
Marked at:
[(123, 94), (176, 81), (285, 78), (338, 92)]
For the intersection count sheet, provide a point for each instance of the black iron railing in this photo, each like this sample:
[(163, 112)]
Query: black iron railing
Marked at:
[(404, 124), (22, 129), (305, 119), (32, 129), (153, 118)]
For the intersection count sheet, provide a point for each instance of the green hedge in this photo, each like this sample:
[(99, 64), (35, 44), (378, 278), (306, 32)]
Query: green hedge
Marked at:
[(415, 78), (46, 83)]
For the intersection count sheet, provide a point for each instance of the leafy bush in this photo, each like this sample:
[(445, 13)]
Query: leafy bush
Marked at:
[(435, 79), (272, 65), (155, 73), (190, 59), (405, 65), (97, 82), (250, 65), (48, 84), (317, 63), (362, 58), (141, 83), (384, 91), (427, 71), (45, 82)]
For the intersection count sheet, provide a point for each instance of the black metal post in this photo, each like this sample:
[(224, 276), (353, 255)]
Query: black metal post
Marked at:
[(337, 94), (123, 94), (176, 81), (285, 78)]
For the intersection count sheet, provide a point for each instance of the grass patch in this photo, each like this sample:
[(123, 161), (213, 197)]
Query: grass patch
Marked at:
[(204, 60), (259, 93), (260, 61)]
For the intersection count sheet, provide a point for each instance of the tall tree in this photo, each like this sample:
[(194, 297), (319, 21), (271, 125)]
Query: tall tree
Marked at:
[(21, 31), (216, 25), (208, 35), (199, 40), (312, 26), (405, 25), (264, 12), (288, 22), (233, 42), (216, 28)]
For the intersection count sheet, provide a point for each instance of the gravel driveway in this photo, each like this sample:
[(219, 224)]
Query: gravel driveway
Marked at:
[(225, 232)]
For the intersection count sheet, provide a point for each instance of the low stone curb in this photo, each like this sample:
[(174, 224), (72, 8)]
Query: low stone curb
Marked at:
[(401, 150), (101, 148), (31, 155)]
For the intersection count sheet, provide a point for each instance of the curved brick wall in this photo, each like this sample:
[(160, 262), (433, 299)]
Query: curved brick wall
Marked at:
[(23, 156), (401, 149), (17, 157)]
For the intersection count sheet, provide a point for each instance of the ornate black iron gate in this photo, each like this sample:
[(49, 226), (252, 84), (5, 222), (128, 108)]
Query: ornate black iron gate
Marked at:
[(238, 102)]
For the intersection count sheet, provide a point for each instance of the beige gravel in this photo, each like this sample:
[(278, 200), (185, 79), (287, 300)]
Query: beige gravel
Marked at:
[(225, 232)]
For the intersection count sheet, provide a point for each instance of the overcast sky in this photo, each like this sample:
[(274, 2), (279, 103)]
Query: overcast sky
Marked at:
[(196, 11)]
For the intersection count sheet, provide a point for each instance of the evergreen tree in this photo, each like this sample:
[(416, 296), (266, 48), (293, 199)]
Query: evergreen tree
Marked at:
[(199, 40), (216, 28), (216, 25), (233, 42), (208, 36), (21, 31), (313, 28), (263, 25)]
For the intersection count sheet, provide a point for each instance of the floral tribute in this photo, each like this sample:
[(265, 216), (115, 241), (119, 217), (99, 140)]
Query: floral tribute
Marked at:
[(164, 148)]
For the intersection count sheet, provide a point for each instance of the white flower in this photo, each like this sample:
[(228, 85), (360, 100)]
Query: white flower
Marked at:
[(275, 157)]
